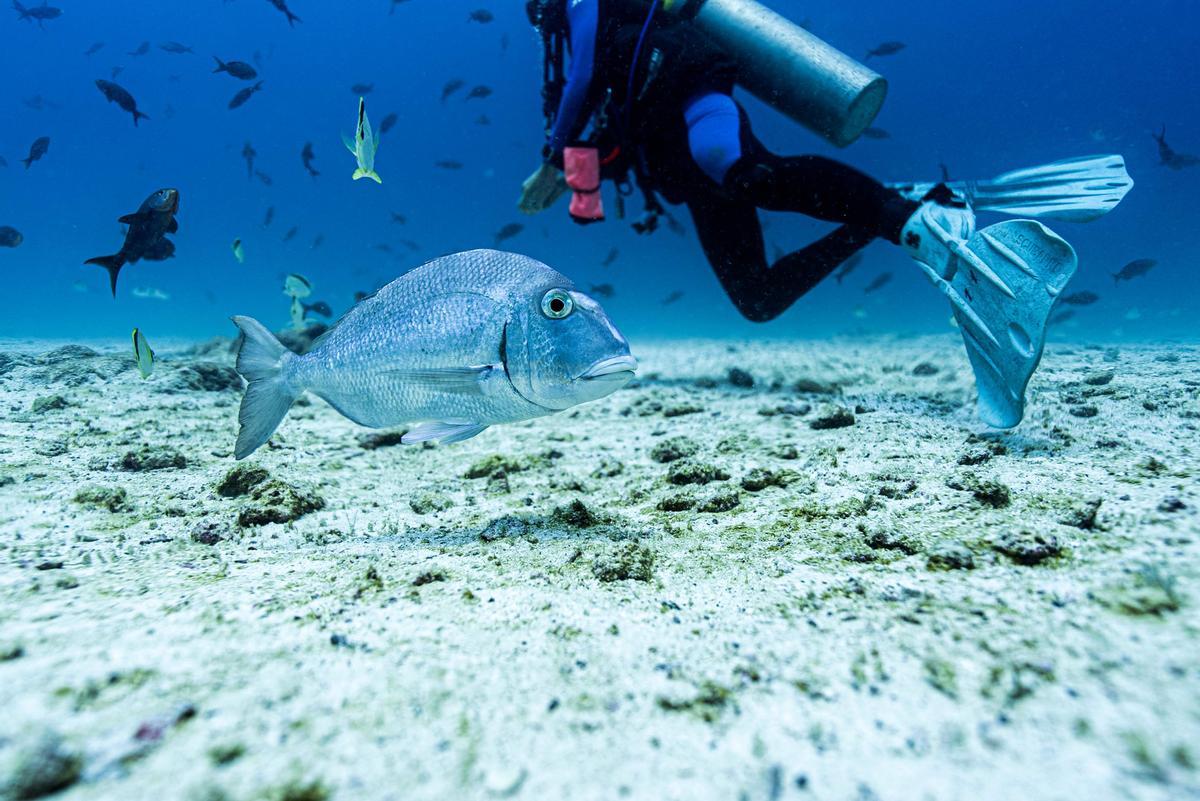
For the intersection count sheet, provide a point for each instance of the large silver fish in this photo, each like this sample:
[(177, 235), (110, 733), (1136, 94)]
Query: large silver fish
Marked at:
[(460, 343)]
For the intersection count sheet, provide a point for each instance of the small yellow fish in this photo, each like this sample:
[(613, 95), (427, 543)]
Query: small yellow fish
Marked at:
[(363, 146), (297, 286), (143, 356), (238, 252)]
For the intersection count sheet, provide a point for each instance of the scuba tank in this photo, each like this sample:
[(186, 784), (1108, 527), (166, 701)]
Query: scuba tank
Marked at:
[(788, 68)]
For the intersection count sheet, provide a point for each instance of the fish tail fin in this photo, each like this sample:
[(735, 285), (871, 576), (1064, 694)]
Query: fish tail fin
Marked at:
[(137, 115), (113, 264), (1116, 278), (27, 162), (361, 173), (20, 9), (292, 18), (260, 360), (220, 65)]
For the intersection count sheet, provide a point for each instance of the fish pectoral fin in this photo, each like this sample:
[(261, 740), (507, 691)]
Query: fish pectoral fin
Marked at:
[(457, 380), (445, 433), (173, 226), (129, 219), (349, 143)]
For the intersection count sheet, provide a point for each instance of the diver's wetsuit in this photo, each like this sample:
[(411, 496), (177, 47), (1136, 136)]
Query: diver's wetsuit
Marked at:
[(724, 174)]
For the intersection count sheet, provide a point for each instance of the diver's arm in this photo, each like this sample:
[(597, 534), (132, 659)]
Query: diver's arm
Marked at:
[(583, 18)]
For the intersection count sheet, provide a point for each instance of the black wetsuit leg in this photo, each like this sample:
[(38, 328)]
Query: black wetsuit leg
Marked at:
[(726, 219)]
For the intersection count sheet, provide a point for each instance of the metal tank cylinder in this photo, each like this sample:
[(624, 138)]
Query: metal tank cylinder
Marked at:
[(788, 68)]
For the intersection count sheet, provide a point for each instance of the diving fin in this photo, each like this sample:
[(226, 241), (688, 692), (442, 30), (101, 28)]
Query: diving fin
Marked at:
[(1072, 190), (1007, 279)]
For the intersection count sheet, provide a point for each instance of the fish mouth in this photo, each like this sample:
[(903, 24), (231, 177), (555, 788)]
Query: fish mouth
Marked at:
[(612, 369)]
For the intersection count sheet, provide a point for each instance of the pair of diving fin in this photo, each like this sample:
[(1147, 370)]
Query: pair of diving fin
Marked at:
[(1008, 276)]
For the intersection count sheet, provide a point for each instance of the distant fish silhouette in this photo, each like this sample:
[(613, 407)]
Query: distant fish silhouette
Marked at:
[(1134, 269), (612, 256), (451, 87), (241, 97), (674, 297), (1083, 298), (876, 133), (238, 69), (880, 281), (508, 232), (1169, 158), (362, 88), (142, 50), (848, 266), (886, 49), (283, 9)]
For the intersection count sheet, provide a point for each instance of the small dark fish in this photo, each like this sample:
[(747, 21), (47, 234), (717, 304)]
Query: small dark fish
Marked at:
[(176, 48), (142, 50), (410, 244), (361, 296), (876, 133), (115, 71), (481, 15), (388, 123), (1062, 317), (886, 49), (1169, 157), (451, 87), (674, 297), (482, 92), (449, 164), (605, 291), (508, 232), (268, 217), (248, 153), (10, 237), (291, 233), (384, 247), (37, 150), (115, 94), (38, 13), (37, 102), (483, 119), (262, 176), (398, 218), (880, 281), (94, 49), (244, 95), (612, 256), (362, 88), (1084, 298), (848, 266), (307, 156), (1134, 269), (282, 6), (148, 226), (320, 307), (238, 69), (318, 241)]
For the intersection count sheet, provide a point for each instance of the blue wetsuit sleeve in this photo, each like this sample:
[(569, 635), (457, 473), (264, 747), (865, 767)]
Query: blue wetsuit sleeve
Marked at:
[(583, 17)]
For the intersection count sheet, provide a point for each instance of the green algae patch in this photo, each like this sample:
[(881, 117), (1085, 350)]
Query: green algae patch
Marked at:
[(1148, 592), (114, 499), (275, 501), (709, 703), (624, 561)]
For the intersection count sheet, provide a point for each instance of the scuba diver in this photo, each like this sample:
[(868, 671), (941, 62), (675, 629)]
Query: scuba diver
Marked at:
[(648, 93)]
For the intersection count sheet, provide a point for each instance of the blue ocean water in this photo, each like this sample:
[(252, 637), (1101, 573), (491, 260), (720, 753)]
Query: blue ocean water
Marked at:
[(982, 88)]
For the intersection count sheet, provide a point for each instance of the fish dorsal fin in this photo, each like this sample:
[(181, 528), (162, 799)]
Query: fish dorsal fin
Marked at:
[(362, 118), (130, 219), (173, 226)]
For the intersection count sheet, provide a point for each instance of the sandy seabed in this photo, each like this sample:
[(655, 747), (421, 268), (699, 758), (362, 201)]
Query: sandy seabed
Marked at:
[(814, 577)]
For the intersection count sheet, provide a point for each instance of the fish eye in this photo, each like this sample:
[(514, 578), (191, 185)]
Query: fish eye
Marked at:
[(557, 304)]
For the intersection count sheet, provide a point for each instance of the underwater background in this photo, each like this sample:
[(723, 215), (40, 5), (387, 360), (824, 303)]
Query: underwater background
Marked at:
[(982, 88)]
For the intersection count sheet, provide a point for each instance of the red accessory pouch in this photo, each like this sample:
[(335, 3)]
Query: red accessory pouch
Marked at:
[(582, 168)]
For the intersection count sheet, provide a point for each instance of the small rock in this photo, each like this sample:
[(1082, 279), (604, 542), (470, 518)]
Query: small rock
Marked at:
[(428, 502), (152, 457), (1083, 514), (925, 369), (608, 468), (274, 501), (989, 492), (575, 514), (740, 378), (43, 765), (759, 478), (1028, 548), (623, 562), (811, 386), (950, 556), (506, 527), (785, 451), (53, 564), (492, 466), (1171, 504), (49, 403), (1099, 378), (689, 472), (241, 479), (207, 377), (429, 577), (380, 439), (722, 502), (114, 499), (1085, 411), (681, 409), (831, 416), (67, 353), (891, 541), (672, 449), (209, 532), (680, 502)]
